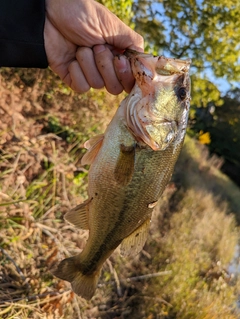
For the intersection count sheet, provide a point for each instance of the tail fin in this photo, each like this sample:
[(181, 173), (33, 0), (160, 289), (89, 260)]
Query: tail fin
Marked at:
[(82, 285)]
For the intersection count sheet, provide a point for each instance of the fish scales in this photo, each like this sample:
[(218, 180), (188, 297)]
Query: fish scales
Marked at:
[(130, 166)]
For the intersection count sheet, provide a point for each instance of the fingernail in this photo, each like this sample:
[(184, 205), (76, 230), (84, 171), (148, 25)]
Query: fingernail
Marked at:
[(99, 48), (121, 63)]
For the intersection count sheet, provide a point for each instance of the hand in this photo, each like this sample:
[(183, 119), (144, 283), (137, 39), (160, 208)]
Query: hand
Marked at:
[(81, 39)]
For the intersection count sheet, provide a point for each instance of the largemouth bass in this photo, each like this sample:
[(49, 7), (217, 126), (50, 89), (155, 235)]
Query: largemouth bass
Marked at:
[(130, 166)]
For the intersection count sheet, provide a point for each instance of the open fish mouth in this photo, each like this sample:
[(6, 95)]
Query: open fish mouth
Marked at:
[(172, 65)]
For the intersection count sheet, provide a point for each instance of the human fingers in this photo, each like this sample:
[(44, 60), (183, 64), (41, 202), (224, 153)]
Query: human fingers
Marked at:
[(124, 73), (88, 66), (126, 38), (104, 62), (78, 81)]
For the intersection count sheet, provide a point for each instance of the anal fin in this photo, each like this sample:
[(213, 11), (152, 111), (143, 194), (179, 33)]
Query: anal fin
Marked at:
[(78, 216), (134, 243), (93, 145)]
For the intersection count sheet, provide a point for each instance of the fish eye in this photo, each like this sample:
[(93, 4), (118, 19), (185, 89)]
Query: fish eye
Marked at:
[(182, 93)]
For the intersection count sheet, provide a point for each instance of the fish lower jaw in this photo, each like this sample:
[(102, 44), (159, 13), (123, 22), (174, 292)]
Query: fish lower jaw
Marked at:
[(161, 134)]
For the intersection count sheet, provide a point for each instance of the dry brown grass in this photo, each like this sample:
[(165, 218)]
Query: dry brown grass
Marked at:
[(42, 137)]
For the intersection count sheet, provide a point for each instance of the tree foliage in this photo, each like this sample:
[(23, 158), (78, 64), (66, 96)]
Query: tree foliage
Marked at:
[(206, 31)]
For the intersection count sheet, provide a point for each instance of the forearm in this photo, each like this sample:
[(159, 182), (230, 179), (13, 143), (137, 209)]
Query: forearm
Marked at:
[(21, 33)]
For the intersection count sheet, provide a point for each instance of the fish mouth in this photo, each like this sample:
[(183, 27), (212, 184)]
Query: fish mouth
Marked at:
[(161, 134), (129, 53)]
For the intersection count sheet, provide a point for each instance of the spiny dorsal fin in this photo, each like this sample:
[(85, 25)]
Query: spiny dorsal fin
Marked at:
[(93, 145), (125, 165), (134, 243), (78, 216)]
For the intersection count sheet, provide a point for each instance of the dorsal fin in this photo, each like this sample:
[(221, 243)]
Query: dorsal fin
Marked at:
[(134, 243), (93, 145)]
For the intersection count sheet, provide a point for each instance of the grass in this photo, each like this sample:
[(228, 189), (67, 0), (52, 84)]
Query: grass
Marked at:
[(200, 243), (183, 270)]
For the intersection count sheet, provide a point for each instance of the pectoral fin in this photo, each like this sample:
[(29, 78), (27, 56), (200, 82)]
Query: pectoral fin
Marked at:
[(93, 145), (78, 216), (134, 243), (93, 140), (125, 165)]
